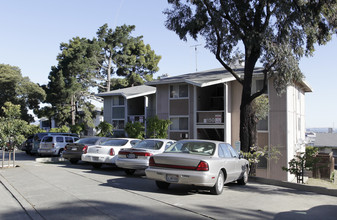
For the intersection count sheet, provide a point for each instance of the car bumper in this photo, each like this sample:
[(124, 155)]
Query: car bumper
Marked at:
[(135, 164), (71, 155), (197, 178), (95, 158), (47, 151)]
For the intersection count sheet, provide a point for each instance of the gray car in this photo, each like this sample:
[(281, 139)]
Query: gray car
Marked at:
[(198, 162)]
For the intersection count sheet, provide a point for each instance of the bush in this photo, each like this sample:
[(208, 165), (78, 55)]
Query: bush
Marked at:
[(105, 129), (135, 130), (157, 128)]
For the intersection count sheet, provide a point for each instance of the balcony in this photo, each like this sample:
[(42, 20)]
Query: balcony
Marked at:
[(210, 117)]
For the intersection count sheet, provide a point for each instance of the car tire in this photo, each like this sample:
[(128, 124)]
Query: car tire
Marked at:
[(244, 179), (96, 165), (129, 172), (219, 184), (162, 185), (60, 152), (73, 161)]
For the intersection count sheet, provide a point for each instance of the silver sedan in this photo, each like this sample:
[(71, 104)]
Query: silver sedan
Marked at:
[(200, 163)]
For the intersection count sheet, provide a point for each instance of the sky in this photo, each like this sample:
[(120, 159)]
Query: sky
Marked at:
[(31, 33)]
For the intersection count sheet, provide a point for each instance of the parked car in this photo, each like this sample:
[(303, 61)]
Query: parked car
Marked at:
[(137, 157), (73, 151), (198, 162), (53, 145), (107, 152), (27, 144), (38, 137)]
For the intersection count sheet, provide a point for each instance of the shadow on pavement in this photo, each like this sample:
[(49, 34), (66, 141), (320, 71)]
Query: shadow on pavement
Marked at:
[(325, 212)]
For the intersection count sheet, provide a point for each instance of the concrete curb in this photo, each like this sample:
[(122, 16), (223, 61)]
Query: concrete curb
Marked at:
[(297, 186), (50, 159), (26, 206)]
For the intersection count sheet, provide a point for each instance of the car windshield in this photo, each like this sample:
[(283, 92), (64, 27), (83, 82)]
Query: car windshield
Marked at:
[(115, 143), (197, 147), (149, 144), (91, 141)]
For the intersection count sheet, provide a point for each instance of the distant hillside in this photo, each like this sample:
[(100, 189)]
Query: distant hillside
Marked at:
[(321, 130)]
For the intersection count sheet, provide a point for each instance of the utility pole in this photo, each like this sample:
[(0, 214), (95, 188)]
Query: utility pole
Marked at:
[(196, 56)]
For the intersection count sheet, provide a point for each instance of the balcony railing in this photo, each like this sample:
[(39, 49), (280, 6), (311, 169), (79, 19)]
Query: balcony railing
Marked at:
[(210, 117)]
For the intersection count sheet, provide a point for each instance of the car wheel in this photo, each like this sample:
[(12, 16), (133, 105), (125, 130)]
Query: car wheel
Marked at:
[(73, 161), (60, 152), (162, 185), (218, 187), (244, 178), (97, 165), (129, 171)]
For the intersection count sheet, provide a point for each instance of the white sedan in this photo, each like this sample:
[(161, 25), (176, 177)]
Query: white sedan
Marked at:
[(137, 157), (107, 152), (198, 162)]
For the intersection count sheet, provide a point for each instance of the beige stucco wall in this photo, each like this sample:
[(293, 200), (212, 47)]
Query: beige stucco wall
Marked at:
[(162, 101)]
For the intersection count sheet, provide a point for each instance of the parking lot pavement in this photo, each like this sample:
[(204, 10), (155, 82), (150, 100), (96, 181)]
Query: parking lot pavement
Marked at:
[(60, 190)]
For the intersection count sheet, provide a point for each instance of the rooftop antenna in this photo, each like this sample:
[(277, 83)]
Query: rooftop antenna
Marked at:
[(196, 56)]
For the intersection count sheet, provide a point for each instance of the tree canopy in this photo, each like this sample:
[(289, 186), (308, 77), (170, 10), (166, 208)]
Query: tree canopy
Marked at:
[(122, 55), (19, 90), (275, 33)]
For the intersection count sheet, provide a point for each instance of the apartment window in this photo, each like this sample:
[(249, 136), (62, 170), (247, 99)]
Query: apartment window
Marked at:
[(262, 125), (259, 85), (117, 100), (179, 124), (118, 124), (178, 91), (118, 112)]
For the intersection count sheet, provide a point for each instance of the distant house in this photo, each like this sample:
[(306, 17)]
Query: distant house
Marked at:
[(327, 143), (206, 105), (128, 105)]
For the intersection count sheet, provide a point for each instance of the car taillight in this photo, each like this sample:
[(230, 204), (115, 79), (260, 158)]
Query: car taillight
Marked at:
[(143, 154), (111, 152), (151, 162), (85, 149), (53, 145), (123, 153), (202, 166)]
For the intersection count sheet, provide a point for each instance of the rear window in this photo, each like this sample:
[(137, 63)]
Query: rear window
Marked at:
[(149, 144), (198, 147), (69, 139), (115, 143), (47, 139), (90, 141)]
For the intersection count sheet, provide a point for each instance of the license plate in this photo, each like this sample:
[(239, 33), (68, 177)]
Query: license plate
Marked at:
[(94, 158), (74, 148), (131, 156), (172, 178)]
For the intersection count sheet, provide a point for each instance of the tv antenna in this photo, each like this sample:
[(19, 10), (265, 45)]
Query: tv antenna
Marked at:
[(196, 56)]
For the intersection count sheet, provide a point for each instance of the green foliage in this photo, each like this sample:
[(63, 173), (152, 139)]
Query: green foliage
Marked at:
[(310, 157), (12, 128), (105, 129), (256, 153), (304, 160), (124, 55), (135, 130), (157, 128), (20, 91), (77, 128), (260, 106), (34, 129), (63, 129)]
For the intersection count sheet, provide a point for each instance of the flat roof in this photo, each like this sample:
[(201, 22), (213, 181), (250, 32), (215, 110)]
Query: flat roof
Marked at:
[(130, 92)]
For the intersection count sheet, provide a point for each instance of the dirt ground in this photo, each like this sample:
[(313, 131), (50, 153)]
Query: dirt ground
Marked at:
[(322, 183)]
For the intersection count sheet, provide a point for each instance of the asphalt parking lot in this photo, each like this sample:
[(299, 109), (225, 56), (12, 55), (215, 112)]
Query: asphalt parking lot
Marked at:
[(60, 190)]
